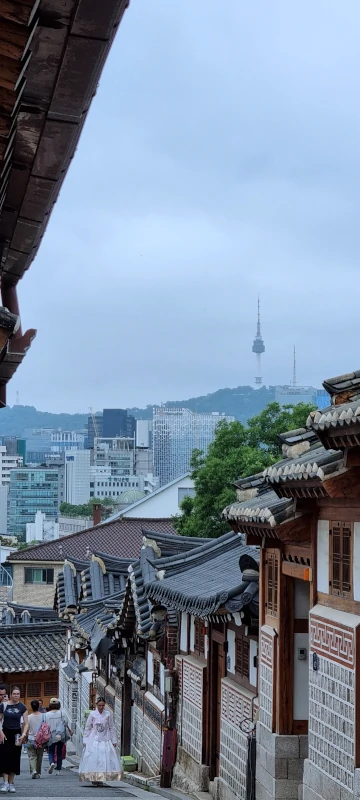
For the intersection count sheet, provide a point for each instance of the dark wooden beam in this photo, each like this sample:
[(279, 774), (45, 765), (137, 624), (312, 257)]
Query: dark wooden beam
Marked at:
[(15, 39), (20, 12), (352, 457), (296, 571), (346, 484)]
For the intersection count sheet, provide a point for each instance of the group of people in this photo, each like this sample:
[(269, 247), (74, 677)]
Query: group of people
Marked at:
[(99, 761)]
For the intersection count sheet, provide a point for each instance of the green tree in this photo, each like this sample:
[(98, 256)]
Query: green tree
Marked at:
[(237, 451), (86, 509), (264, 429)]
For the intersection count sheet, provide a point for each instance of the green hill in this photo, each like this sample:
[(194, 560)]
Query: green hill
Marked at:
[(242, 402)]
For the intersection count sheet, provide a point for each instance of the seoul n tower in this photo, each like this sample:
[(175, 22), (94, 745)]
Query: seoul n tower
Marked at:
[(258, 348)]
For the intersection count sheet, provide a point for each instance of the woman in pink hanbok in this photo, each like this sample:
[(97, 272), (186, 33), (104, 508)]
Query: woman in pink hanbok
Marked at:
[(99, 761)]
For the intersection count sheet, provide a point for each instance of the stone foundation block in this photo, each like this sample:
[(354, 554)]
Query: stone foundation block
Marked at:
[(188, 775), (320, 783), (345, 794), (277, 767), (357, 783), (309, 794), (261, 793), (276, 745), (295, 769), (304, 746), (278, 788)]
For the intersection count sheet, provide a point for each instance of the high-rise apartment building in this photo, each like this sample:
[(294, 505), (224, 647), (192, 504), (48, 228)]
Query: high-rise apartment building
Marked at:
[(176, 433), (77, 476), (31, 490)]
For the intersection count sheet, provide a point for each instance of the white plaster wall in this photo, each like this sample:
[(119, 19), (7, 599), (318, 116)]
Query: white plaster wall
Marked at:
[(161, 504), (356, 561), (302, 599), (184, 633), (253, 670), (192, 633), (301, 678), (231, 651), (323, 556), (150, 668)]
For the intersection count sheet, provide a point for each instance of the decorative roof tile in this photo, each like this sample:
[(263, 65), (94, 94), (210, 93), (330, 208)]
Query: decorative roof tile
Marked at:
[(266, 509)]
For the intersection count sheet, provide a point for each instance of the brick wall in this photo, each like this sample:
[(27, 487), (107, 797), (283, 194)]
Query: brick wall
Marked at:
[(235, 708), (33, 594)]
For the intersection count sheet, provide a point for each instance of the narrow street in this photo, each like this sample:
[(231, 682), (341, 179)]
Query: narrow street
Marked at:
[(67, 786)]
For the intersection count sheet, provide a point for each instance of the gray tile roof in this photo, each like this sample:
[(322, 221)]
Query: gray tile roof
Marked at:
[(206, 578), (315, 463), (19, 614), (350, 382), (120, 538), (27, 648), (267, 509), (341, 416), (135, 612)]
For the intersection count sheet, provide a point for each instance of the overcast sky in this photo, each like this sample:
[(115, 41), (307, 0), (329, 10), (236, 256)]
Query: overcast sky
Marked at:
[(220, 158)]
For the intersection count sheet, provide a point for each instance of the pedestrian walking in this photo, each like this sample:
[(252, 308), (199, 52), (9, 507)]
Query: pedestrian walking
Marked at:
[(60, 734), (41, 707), (12, 734), (35, 720), (99, 761)]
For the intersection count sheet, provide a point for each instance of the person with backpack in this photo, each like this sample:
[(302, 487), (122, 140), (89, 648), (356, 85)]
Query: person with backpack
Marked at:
[(38, 734), (60, 734)]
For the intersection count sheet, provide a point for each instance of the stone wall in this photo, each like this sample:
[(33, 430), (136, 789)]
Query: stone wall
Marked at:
[(236, 707), (33, 594), (147, 732), (68, 696), (330, 768), (190, 774), (279, 759)]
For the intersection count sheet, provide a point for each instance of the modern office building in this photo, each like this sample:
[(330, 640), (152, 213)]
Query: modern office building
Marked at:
[(31, 490), (38, 444), (104, 484), (67, 440), (292, 395), (77, 476), (176, 433), (115, 453), (117, 422)]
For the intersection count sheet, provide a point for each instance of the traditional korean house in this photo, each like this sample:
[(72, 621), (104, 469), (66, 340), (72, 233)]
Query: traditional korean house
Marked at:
[(30, 653), (215, 590), (304, 512)]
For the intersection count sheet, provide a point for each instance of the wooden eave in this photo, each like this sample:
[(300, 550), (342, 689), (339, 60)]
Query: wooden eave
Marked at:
[(341, 437), (52, 53), (296, 530), (307, 489)]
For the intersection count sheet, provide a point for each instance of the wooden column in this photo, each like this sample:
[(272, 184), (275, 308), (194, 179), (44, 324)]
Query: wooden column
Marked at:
[(285, 660)]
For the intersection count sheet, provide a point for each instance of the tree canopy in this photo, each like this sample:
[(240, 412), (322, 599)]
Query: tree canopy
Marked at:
[(237, 451), (86, 510)]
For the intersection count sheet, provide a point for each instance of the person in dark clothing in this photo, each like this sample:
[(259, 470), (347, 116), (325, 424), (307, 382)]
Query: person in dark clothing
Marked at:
[(11, 738)]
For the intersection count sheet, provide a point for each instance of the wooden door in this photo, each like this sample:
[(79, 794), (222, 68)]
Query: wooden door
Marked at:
[(220, 673)]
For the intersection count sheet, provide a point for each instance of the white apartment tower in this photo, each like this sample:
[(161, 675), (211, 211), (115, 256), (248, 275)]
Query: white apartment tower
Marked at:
[(77, 476)]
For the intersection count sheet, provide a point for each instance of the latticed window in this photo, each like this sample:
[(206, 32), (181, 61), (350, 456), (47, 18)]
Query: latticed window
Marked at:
[(50, 688), (340, 579), (34, 690), (199, 637), (242, 655), (272, 583)]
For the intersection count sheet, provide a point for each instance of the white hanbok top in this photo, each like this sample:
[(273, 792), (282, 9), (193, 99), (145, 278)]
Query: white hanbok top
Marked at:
[(100, 727)]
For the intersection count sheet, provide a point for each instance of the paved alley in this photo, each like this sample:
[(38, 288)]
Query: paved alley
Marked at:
[(68, 787)]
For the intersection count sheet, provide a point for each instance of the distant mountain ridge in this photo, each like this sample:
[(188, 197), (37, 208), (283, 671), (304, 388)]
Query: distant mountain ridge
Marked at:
[(241, 402)]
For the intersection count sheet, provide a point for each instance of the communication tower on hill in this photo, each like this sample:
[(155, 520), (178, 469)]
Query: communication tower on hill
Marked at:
[(258, 348)]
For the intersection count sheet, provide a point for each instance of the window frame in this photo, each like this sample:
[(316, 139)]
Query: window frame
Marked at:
[(272, 583), (47, 576), (340, 592)]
